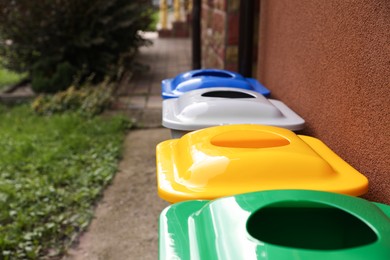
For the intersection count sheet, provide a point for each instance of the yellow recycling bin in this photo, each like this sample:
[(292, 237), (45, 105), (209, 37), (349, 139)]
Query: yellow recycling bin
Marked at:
[(228, 160)]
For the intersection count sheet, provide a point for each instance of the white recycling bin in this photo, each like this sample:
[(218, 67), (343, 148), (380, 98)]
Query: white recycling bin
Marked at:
[(203, 108)]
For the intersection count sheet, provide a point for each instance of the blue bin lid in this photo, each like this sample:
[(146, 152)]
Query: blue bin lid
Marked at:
[(207, 78)]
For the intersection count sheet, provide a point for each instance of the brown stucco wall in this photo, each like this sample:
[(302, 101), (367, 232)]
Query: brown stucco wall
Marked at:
[(330, 62)]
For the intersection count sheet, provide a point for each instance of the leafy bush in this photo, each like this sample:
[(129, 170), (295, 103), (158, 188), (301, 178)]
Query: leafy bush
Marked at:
[(59, 42), (52, 170), (87, 101), (60, 80)]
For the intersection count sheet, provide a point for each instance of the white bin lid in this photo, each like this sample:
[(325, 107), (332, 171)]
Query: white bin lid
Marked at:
[(203, 108)]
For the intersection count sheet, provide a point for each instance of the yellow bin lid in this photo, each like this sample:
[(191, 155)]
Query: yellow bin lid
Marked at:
[(233, 159)]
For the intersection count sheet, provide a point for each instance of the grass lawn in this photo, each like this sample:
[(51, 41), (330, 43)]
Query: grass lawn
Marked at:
[(52, 170), (155, 17), (8, 78)]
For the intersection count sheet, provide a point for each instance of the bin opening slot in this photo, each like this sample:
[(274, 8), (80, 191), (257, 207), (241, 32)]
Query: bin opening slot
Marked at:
[(248, 139), (227, 94), (218, 74), (309, 225)]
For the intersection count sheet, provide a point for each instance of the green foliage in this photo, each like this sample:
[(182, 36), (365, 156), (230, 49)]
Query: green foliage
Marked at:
[(155, 16), (87, 101), (8, 78), (61, 79), (52, 170), (63, 40)]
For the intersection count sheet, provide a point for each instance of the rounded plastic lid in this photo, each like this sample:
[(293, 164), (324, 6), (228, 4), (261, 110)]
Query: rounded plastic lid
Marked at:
[(228, 160), (220, 106), (206, 78), (274, 225)]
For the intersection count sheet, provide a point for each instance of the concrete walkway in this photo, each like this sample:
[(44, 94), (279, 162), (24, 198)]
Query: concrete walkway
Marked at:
[(141, 97), (126, 219)]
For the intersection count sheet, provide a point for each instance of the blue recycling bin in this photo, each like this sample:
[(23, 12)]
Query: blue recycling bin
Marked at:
[(207, 78)]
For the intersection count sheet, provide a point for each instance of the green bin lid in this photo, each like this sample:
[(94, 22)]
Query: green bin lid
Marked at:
[(277, 224)]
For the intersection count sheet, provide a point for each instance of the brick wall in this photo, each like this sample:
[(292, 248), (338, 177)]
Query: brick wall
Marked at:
[(220, 34)]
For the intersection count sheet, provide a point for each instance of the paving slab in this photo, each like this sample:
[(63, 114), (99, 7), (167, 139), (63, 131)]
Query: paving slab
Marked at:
[(151, 118), (126, 220), (154, 101)]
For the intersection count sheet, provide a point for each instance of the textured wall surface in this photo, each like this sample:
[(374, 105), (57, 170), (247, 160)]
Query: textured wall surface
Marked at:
[(330, 62), (220, 34)]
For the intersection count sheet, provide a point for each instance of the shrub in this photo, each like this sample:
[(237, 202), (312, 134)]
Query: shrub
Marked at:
[(61, 41), (87, 101), (61, 79)]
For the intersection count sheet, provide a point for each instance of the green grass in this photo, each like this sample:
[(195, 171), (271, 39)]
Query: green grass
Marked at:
[(155, 16), (52, 170), (8, 78)]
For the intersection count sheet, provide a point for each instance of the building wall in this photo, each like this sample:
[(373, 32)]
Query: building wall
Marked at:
[(220, 34), (330, 62)]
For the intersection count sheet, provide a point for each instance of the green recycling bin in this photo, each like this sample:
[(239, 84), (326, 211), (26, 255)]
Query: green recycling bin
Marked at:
[(275, 225)]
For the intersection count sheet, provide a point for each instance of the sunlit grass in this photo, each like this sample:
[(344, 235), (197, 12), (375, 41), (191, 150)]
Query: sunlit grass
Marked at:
[(52, 170), (8, 78)]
